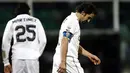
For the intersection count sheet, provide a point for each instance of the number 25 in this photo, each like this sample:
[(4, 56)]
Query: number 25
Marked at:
[(24, 29)]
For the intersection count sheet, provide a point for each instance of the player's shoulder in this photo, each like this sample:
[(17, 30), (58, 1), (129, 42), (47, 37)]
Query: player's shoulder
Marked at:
[(72, 18), (33, 17), (37, 19), (68, 20), (11, 20)]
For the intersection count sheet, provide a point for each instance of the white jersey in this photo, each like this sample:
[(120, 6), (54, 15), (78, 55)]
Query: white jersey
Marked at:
[(28, 35), (70, 24)]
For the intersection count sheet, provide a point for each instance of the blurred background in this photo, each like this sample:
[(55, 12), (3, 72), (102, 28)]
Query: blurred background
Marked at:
[(107, 36)]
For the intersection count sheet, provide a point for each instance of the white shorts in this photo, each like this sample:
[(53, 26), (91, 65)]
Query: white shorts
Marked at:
[(25, 66), (72, 65)]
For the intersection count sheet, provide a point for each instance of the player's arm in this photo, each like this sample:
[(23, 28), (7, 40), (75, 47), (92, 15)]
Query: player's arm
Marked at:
[(6, 43), (64, 48), (64, 44), (41, 37), (92, 57), (84, 52)]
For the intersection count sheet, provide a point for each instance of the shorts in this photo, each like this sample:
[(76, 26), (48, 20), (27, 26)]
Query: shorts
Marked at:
[(72, 65), (25, 66)]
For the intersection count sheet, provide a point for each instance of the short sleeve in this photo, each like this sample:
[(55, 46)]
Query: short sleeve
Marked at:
[(69, 25), (71, 28), (68, 28)]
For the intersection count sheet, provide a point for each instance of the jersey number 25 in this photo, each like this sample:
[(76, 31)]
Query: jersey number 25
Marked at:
[(27, 28)]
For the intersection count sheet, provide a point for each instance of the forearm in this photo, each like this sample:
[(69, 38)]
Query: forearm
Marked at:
[(5, 54), (6, 48), (92, 57), (64, 49), (5, 58), (83, 51)]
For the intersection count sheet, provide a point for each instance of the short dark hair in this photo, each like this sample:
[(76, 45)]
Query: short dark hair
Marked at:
[(87, 8), (22, 8)]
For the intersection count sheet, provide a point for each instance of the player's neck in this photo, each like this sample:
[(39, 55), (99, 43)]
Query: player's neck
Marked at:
[(78, 16)]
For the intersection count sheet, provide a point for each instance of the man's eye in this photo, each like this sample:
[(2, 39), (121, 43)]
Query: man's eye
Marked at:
[(89, 18)]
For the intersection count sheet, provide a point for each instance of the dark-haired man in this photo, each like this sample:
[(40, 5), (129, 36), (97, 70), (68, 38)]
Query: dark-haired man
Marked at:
[(29, 41), (65, 59)]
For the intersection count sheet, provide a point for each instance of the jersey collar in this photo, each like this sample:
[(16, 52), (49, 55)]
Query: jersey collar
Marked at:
[(21, 15)]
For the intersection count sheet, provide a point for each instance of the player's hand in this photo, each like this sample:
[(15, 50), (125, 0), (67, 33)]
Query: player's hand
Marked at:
[(94, 59), (8, 69), (62, 68)]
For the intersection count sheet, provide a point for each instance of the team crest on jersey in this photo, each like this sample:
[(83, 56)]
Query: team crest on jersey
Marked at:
[(68, 29)]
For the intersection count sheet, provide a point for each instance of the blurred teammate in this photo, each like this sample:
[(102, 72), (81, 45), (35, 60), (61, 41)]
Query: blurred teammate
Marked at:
[(29, 41), (65, 59)]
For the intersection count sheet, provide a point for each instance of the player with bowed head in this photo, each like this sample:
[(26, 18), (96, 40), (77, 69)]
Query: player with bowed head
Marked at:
[(65, 59)]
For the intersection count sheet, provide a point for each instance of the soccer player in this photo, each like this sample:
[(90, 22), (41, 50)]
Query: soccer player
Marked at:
[(29, 41), (65, 59)]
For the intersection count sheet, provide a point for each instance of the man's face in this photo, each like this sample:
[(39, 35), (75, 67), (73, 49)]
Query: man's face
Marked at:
[(87, 17)]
